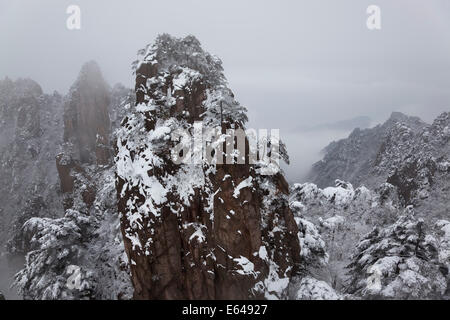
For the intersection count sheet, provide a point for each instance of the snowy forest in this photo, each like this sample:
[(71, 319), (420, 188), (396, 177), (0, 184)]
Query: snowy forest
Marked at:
[(93, 206)]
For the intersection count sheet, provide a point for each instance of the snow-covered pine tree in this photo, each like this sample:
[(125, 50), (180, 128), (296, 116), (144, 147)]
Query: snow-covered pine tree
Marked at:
[(397, 262), (51, 269), (78, 256), (34, 207), (310, 283)]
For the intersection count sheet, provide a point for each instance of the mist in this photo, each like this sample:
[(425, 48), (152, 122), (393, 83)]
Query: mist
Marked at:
[(291, 63), (9, 266)]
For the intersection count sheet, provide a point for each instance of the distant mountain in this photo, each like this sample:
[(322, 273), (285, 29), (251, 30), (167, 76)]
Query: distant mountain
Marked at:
[(355, 158), (404, 151), (361, 122), (396, 232)]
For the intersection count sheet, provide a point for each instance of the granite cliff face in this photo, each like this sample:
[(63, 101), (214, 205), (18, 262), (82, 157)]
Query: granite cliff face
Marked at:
[(86, 116), (202, 230), (88, 135), (30, 128)]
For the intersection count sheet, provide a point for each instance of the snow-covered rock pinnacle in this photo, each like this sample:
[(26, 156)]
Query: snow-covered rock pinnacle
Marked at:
[(200, 231)]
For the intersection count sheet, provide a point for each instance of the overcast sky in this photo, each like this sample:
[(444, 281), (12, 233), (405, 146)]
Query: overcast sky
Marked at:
[(292, 63)]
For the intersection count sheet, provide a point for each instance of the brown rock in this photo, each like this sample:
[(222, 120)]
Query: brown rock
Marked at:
[(218, 244), (86, 118), (64, 167)]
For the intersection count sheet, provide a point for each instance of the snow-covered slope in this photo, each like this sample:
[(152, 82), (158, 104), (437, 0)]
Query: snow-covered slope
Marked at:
[(374, 247), (387, 238), (404, 152)]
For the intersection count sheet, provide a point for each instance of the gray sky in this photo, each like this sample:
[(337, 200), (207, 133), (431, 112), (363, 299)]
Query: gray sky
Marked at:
[(292, 63)]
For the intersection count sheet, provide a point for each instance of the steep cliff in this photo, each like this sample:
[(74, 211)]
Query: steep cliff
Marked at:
[(30, 130), (202, 230), (86, 117)]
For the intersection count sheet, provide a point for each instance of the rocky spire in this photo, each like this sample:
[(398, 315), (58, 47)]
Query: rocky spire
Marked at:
[(201, 231), (86, 119)]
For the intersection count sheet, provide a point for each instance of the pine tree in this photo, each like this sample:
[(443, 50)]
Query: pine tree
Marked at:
[(51, 268), (397, 262), (310, 283)]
